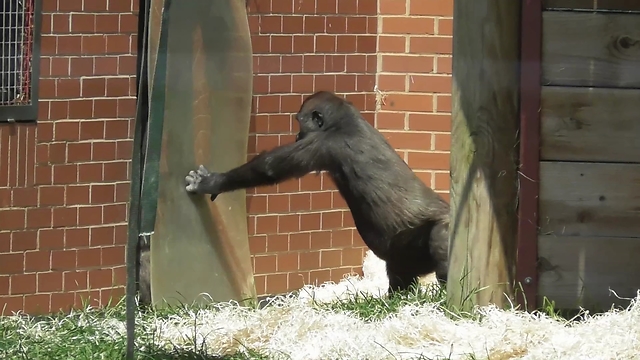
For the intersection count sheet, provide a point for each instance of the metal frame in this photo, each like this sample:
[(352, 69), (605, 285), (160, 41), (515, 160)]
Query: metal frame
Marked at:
[(27, 113), (138, 164), (530, 92)]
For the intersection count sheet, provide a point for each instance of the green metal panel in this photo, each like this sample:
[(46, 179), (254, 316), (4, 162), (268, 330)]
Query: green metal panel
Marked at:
[(135, 195), (150, 173)]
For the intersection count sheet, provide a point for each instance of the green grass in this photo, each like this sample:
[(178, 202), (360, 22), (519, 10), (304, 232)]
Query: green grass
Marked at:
[(100, 333), (370, 308), (93, 334)]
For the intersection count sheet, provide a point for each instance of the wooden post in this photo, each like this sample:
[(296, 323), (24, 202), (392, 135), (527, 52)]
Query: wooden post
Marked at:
[(484, 153)]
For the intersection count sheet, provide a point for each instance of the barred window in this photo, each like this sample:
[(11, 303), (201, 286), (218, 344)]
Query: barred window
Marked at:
[(19, 59)]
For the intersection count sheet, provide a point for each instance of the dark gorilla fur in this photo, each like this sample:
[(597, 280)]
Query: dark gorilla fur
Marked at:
[(404, 222)]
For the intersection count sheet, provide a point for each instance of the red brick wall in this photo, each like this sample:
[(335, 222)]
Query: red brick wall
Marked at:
[(414, 78), (64, 182), (301, 231)]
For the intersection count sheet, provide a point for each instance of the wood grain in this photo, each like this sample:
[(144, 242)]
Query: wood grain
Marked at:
[(591, 49), (579, 271), (589, 199), (483, 177), (614, 5), (590, 124)]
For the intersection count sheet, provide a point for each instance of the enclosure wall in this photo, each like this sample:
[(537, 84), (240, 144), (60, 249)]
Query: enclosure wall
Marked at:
[(64, 181), (301, 231)]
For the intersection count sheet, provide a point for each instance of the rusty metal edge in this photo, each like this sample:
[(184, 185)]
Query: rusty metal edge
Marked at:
[(530, 99)]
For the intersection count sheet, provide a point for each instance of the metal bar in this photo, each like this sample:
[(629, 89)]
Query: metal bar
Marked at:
[(530, 87), (134, 203), (21, 24), (150, 174)]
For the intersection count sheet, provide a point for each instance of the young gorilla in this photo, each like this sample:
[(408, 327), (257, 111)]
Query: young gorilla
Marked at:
[(404, 222)]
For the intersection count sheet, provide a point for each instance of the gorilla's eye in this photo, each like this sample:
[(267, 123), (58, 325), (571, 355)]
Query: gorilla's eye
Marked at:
[(317, 118)]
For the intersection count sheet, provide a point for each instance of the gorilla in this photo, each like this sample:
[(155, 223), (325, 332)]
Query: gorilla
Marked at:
[(403, 221)]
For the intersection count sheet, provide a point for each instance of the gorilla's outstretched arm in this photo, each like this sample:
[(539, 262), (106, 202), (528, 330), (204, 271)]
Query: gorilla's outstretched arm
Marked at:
[(267, 168)]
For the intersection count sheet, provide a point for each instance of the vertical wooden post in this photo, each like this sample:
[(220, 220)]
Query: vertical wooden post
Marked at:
[(484, 152)]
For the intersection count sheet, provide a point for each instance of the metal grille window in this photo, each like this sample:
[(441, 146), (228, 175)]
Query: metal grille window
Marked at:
[(19, 59)]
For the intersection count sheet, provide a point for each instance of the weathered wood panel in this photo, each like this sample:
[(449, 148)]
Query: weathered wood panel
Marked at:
[(579, 271), (603, 5), (589, 199), (484, 135), (590, 124), (591, 49)]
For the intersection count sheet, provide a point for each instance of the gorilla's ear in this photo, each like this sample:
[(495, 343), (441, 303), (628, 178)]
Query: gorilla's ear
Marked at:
[(317, 117)]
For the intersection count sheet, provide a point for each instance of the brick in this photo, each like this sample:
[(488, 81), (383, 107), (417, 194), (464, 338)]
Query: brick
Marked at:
[(409, 141), (23, 284), (61, 302), (309, 260), (404, 25), (4, 285), (24, 197), (102, 236), (69, 45), (81, 66), (75, 280), (430, 83), (60, 66), (112, 256), (38, 218), (76, 238), (285, 224), (277, 283), (11, 263), (77, 194), (67, 131), (121, 233), (443, 103), (13, 219), (65, 216), (287, 262), (107, 65), (89, 258), (432, 8), (83, 23), (63, 259), (265, 264), (24, 240), (442, 181), (300, 241), (276, 243), (444, 65), (431, 45), (114, 213), (35, 261), (433, 161), (320, 240), (89, 172), (9, 305), (50, 282), (65, 174), (102, 193), (100, 278), (51, 239), (94, 44), (445, 27), (37, 304), (117, 43), (411, 64), (89, 215), (70, 5)]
